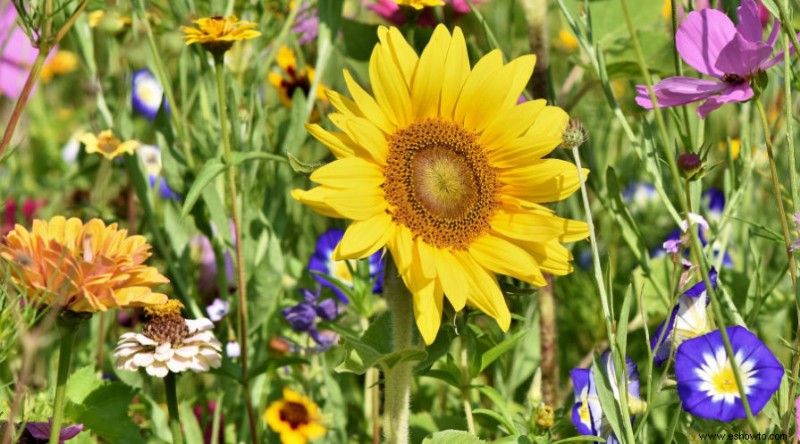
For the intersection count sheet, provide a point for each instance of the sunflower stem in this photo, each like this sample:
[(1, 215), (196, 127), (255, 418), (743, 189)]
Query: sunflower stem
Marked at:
[(219, 63), (68, 325), (172, 405), (398, 377)]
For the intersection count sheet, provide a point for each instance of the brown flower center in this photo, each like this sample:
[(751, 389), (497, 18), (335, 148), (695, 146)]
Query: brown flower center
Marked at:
[(439, 183), (732, 79), (295, 413), (166, 323), (107, 144)]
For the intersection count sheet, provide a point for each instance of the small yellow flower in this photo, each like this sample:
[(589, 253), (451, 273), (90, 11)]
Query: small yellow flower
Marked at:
[(112, 22), (218, 34), (419, 4), (292, 78), (295, 417), (62, 63), (81, 267), (567, 40), (733, 146), (107, 144)]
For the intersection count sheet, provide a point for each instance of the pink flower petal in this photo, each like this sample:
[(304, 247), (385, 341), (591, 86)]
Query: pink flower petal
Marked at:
[(742, 57), (749, 23), (702, 37), (675, 91), (734, 93)]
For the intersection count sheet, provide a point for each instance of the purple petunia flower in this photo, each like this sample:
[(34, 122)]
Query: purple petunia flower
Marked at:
[(710, 43), (306, 25), (147, 95), (587, 413), (706, 383), (323, 262), (688, 319), (41, 431)]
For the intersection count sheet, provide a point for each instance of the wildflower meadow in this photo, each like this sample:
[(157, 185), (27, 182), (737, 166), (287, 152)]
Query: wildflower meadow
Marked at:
[(399, 221)]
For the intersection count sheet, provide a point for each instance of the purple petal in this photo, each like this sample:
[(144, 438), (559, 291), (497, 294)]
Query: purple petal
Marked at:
[(327, 310), (702, 37), (736, 93), (749, 22), (742, 57), (779, 57), (676, 91), (773, 36)]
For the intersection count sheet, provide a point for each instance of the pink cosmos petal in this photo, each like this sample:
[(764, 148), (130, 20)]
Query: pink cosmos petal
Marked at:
[(675, 91), (734, 93), (701, 38), (749, 23), (742, 57), (17, 54), (776, 27), (387, 9), (461, 6)]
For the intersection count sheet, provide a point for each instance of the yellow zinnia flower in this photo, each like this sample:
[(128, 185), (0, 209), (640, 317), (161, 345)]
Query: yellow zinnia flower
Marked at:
[(419, 4), (217, 34), (293, 78), (84, 268), (295, 417), (444, 168), (107, 144)]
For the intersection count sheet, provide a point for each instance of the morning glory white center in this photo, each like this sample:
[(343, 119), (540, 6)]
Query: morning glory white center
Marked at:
[(719, 382)]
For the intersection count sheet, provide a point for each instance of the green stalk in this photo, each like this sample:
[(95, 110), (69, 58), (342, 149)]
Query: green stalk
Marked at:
[(68, 324), (398, 378), (219, 63), (172, 405)]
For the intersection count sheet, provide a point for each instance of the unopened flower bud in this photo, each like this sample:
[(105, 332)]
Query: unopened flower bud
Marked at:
[(691, 165), (544, 417), (575, 135), (279, 347)]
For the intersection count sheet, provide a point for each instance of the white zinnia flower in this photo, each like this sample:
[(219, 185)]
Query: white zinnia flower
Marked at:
[(170, 343)]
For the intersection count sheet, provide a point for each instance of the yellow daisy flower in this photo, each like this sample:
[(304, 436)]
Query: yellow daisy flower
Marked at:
[(64, 62), (82, 267), (107, 144), (292, 78), (419, 4), (295, 417), (443, 167), (217, 34)]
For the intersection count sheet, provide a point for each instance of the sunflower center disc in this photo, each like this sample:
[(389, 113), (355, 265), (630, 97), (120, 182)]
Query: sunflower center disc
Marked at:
[(439, 183)]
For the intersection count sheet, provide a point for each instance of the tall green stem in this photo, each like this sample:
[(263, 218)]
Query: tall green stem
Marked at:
[(398, 378), (172, 405), (68, 325), (219, 63)]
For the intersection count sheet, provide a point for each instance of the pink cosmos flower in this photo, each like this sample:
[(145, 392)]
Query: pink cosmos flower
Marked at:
[(391, 12), (16, 53), (710, 43)]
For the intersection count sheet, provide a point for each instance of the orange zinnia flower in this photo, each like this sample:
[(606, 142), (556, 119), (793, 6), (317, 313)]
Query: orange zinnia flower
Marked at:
[(82, 267)]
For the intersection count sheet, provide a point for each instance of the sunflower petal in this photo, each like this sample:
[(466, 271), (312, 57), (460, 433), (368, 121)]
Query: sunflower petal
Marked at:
[(456, 71), (427, 84), (340, 145), (363, 238), (353, 172), (484, 292), (546, 180), (501, 256), (389, 87), (471, 98), (450, 274), (367, 104), (510, 125)]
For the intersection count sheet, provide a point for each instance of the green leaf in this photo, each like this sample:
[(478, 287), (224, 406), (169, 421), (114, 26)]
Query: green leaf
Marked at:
[(500, 406), (190, 428), (498, 350), (374, 349), (453, 437), (582, 438), (606, 395), (302, 167), (500, 419), (210, 170), (514, 439), (101, 406)]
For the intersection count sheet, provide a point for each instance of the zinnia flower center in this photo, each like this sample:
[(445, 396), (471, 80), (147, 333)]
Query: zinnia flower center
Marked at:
[(295, 413), (724, 382), (439, 183), (166, 323)]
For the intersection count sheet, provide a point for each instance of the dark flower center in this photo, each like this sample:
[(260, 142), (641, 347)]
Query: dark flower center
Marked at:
[(168, 328), (732, 79), (295, 414)]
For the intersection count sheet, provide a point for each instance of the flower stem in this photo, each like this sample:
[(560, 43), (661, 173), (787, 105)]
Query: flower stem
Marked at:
[(172, 405), (465, 384), (237, 223), (68, 328), (398, 378)]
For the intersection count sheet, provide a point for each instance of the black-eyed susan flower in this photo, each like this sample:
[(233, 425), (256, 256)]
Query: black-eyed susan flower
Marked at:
[(218, 34), (443, 167), (706, 383), (295, 417), (82, 267), (108, 145), (292, 78), (169, 343)]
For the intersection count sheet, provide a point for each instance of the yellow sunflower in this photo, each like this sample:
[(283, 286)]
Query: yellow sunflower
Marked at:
[(108, 145), (419, 4), (292, 78), (295, 417), (443, 167), (218, 34), (83, 268)]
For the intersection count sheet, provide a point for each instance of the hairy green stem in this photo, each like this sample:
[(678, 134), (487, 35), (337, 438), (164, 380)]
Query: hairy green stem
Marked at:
[(398, 378), (68, 328), (172, 406), (465, 385), (219, 63)]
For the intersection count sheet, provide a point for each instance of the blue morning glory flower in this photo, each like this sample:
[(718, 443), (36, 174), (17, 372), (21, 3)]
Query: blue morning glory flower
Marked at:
[(639, 193), (706, 383), (323, 262), (689, 319), (148, 94), (587, 413), (151, 159), (713, 200)]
